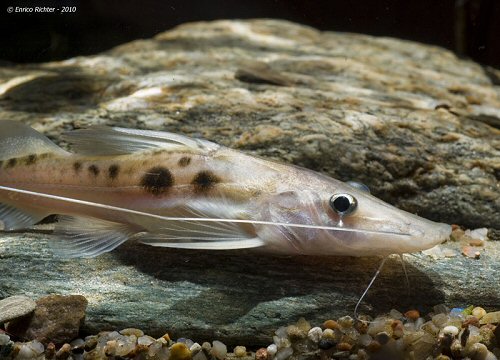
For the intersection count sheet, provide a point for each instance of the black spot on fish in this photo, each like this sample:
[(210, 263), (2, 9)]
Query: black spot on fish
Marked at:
[(77, 166), (11, 163), (184, 161), (31, 159), (94, 169), (113, 171), (157, 180), (205, 180)]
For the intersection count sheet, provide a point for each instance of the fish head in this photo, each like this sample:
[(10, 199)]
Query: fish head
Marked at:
[(374, 227), (341, 219)]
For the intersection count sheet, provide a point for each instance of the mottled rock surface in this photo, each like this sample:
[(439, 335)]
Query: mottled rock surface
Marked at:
[(418, 125), (56, 319)]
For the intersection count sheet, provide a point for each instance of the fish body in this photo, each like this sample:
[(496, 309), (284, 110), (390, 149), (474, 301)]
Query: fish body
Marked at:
[(174, 191)]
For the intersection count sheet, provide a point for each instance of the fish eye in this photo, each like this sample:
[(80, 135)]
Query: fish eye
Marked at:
[(359, 186), (343, 204)]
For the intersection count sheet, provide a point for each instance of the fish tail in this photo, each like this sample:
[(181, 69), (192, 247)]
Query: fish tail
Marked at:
[(21, 142)]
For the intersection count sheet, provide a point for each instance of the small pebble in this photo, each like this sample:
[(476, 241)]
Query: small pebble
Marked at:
[(240, 351), (396, 315), (344, 346), (374, 346), (346, 322), (261, 354), (490, 318), (331, 324), (479, 351), (145, 340), (179, 351), (412, 315), (90, 343), (443, 357), (450, 330), (295, 333), (397, 329), (50, 351), (315, 334), (284, 353), (64, 352), (303, 325), (219, 350), (478, 312), (382, 338), (340, 355), (326, 344), (195, 348), (4, 339), (328, 334), (110, 348), (206, 346), (132, 331), (272, 350)]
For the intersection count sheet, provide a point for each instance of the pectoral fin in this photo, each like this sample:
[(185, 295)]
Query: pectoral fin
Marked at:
[(89, 237)]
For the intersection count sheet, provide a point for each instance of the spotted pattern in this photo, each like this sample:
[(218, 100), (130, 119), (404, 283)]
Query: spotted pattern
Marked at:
[(94, 169), (204, 181), (184, 161), (77, 166), (157, 180), (113, 171)]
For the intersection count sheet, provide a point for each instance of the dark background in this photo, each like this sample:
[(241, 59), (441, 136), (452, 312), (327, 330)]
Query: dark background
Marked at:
[(471, 28)]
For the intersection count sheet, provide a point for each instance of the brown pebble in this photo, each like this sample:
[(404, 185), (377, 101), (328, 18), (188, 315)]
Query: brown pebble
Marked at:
[(374, 346), (470, 320), (90, 344), (362, 326), (261, 354), (50, 351), (331, 324), (344, 346), (397, 329), (412, 314), (64, 352)]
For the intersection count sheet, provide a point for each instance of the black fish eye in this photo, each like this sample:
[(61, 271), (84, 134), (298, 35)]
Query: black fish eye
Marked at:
[(343, 204)]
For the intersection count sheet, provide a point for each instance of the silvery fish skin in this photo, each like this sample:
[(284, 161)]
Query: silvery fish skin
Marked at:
[(169, 190)]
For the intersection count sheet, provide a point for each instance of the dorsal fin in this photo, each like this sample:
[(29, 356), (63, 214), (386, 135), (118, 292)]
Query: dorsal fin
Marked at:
[(104, 140), (18, 140)]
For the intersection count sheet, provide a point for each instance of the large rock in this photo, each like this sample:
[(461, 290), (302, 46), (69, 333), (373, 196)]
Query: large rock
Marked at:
[(56, 319), (419, 126)]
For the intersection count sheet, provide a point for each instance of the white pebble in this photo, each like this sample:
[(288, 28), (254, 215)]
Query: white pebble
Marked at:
[(154, 348), (24, 353), (200, 356), (450, 330), (395, 314), (272, 350), (195, 348), (314, 334), (284, 354), (480, 233), (36, 347), (4, 339), (145, 340), (365, 340), (219, 350)]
